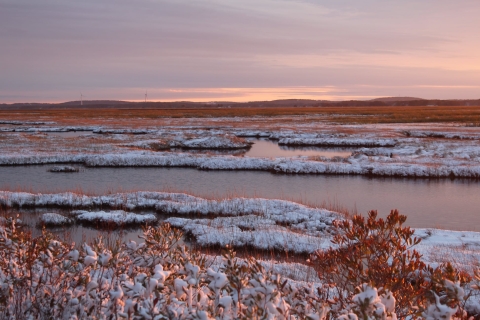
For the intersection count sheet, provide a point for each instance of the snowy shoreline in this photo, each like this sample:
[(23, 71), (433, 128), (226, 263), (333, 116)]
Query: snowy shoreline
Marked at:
[(262, 224), (359, 165)]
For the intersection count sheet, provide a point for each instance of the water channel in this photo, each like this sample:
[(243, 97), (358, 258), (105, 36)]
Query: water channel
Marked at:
[(444, 203)]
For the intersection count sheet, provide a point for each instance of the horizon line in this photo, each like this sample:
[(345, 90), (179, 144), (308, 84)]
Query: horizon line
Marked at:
[(240, 102)]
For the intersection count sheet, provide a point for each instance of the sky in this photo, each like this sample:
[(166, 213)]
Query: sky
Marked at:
[(242, 50)]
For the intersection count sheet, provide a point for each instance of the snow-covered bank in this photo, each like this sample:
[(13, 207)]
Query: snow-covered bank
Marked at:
[(30, 123), (359, 164), (441, 135), (239, 221), (50, 129), (338, 142), (461, 248), (55, 219), (64, 169), (259, 223), (264, 224), (123, 131), (379, 150), (300, 216), (260, 233), (117, 217), (209, 142), (293, 138), (110, 218)]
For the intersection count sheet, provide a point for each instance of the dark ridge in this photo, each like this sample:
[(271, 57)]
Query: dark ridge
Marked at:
[(114, 104), (395, 99)]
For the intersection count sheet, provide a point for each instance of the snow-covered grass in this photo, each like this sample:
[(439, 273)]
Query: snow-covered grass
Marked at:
[(338, 142), (466, 165), (280, 211), (55, 219), (260, 235), (461, 248), (48, 129), (442, 135), (117, 217), (442, 152), (209, 142), (64, 169), (99, 218), (264, 224)]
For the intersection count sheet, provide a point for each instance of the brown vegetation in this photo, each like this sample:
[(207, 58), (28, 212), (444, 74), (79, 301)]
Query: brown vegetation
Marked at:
[(341, 114), (381, 252)]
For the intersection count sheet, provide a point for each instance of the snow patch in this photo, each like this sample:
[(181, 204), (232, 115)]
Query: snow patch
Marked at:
[(55, 219), (118, 217)]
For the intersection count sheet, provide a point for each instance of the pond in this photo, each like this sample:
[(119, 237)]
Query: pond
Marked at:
[(448, 204), (270, 149)]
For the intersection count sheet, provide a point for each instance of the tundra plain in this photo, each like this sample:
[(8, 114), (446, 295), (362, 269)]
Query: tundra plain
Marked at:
[(413, 142)]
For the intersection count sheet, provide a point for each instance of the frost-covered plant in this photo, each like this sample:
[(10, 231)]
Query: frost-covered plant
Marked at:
[(447, 296), (378, 252), (368, 305), (43, 278), (244, 289)]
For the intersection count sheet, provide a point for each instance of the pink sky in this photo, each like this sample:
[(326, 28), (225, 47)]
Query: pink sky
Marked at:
[(217, 50)]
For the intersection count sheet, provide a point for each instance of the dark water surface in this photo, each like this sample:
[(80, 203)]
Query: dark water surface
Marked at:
[(427, 203), (77, 233)]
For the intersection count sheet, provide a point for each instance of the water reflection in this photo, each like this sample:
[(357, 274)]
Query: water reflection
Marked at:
[(268, 148), (77, 233)]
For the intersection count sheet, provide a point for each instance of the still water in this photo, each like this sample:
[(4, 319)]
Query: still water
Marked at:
[(263, 148), (270, 149), (427, 203)]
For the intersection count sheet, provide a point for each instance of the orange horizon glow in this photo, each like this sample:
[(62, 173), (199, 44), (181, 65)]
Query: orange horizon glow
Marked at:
[(238, 95)]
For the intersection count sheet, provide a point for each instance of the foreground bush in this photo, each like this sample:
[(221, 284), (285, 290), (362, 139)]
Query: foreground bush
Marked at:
[(43, 278), (380, 252)]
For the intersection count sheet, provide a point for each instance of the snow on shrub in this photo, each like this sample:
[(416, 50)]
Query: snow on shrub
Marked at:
[(44, 278), (158, 279)]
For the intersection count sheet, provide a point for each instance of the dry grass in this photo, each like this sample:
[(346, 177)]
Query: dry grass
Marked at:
[(372, 114)]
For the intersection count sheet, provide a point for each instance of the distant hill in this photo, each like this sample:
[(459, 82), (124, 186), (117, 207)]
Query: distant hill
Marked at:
[(117, 104), (94, 102), (394, 99)]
